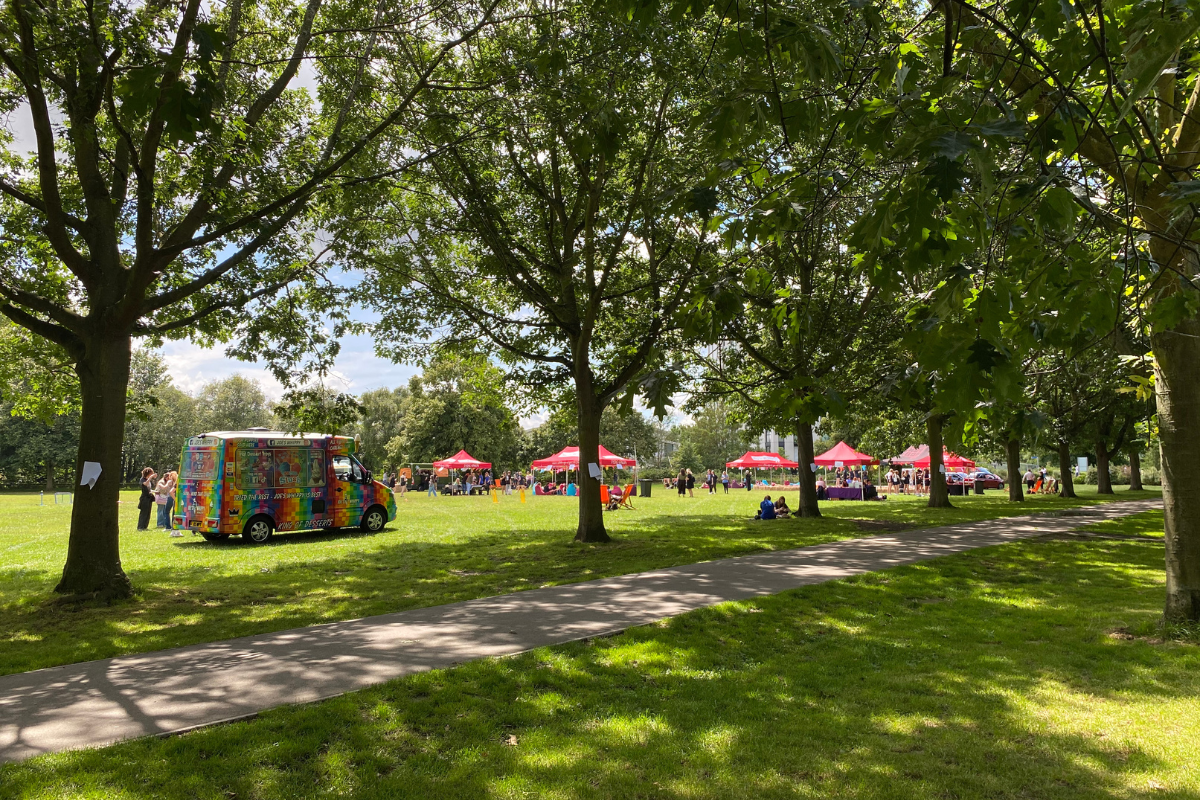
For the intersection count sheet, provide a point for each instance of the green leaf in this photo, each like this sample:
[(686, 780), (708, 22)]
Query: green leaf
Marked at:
[(1150, 51)]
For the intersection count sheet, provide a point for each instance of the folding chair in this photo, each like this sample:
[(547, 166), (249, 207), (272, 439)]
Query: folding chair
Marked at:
[(627, 497), (604, 494)]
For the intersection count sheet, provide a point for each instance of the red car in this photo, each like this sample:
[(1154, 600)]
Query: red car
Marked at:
[(990, 479)]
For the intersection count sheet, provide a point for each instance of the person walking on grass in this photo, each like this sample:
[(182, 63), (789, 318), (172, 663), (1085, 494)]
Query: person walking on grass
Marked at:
[(146, 501)]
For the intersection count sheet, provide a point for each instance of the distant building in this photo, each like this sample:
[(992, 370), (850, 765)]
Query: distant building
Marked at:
[(772, 442)]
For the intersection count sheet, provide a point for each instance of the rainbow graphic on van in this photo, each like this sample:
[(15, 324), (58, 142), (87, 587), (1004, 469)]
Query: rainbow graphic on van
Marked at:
[(254, 483)]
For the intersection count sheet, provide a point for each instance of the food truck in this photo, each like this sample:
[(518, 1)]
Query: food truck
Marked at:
[(256, 482)]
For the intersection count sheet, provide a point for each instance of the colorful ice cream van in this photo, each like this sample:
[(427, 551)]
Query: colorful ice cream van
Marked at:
[(255, 482)]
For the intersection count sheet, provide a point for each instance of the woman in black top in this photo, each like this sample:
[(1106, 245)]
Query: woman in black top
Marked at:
[(681, 482), (146, 501)]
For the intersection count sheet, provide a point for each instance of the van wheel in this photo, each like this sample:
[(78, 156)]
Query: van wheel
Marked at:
[(214, 537), (374, 520), (259, 530)]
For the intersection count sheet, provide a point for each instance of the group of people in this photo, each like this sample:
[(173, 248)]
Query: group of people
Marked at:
[(685, 482), (850, 480), (157, 492), (469, 481), (1040, 482), (773, 509), (908, 481)]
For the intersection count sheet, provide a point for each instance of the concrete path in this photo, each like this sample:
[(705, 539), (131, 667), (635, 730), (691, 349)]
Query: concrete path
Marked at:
[(100, 702)]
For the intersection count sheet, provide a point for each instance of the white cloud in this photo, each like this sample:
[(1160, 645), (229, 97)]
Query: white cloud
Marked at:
[(357, 369)]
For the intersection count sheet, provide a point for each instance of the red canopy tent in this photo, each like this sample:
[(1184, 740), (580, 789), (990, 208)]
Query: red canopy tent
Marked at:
[(568, 458), (846, 455), (949, 460), (911, 455), (754, 459), (462, 460)]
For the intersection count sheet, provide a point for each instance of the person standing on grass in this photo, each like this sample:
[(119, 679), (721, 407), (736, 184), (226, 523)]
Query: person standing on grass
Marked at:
[(681, 482), (747, 479), (164, 498), (691, 483), (172, 482), (432, 485), (146, 501), (725, 481)]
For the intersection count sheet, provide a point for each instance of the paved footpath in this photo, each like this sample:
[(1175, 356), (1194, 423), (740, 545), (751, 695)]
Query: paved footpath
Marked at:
[(170, 691)]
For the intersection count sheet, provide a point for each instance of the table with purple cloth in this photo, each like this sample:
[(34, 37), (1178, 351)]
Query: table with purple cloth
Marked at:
[(841, 493)]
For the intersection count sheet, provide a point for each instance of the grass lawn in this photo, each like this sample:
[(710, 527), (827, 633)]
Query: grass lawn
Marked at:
[(1030, 670), (439, 550)]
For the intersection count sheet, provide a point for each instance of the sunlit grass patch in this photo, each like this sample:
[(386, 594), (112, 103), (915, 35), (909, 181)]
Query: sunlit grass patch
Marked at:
[(959, 677), (439, 550)]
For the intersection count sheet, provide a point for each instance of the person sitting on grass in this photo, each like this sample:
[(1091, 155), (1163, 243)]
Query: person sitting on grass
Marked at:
[(822, 493), (781, 507), (766, 509), (869, 490)]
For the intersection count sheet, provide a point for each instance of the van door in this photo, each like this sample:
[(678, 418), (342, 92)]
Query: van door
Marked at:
[(348, 490)]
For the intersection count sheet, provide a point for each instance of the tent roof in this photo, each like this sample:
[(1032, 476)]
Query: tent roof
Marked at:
[(949, 460), (912, 454), (846, 454), (754, 458), (568, 458), (462, 460)]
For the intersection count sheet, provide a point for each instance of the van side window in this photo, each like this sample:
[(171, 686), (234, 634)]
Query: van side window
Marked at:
[(347, 469), (256, 468)]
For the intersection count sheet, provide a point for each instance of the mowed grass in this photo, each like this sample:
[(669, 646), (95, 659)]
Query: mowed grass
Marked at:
[(439, 550), (1008, 672)]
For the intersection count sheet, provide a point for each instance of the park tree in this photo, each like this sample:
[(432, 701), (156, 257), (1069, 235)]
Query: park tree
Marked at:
[(36, 451), (559, 219), (793, 314), (236, 403), (1068, 109), (455, 404), (159, 418), (380, 421), (315, 406), (716, 432), (176, 184)]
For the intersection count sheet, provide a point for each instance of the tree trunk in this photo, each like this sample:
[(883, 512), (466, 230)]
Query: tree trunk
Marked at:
[(1177, 387), (808, 479), (939, 496), (49, 474), (93, 564), (1135, 470), (591, 510), (1066, 483), (1103, 479), (1016, 491)]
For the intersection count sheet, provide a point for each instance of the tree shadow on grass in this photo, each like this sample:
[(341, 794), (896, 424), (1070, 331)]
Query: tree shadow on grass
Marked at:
[(982, 675), (191, 603)]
